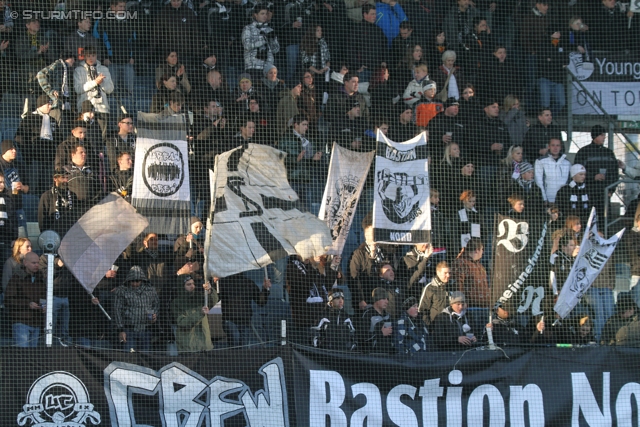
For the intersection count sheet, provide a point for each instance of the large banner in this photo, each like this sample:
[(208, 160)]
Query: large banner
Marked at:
[(401, 207), (594, 253), (517, 250), (161, 174), (347, 174), (254, 221), (288, 387), (612, 78)]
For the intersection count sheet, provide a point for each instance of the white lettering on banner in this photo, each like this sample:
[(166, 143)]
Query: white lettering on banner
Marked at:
[(619, 68), (400, 237), (400, 156), (327, 394), (186, 399), (584, 401)]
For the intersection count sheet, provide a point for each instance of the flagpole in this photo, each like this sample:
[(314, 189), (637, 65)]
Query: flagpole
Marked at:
[(100, 305)]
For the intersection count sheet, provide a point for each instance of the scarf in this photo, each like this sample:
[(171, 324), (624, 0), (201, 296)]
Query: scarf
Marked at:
[(62, 202), (574, 197), (308, 154), (375, 253), (45, 128), (526, 185), (65, 79), (3, 211), (93, 74), (271, 85)]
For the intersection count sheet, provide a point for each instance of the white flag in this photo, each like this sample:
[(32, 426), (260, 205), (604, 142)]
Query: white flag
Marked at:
[(595, 251), (253, 219), (401, 206), (93, 244), (347, 174)]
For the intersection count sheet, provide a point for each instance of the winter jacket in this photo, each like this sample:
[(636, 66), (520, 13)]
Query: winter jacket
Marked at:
[(410, 335), (335, 331), (260, 45), (52, 78), (24, 288), (370, 338), (447, 327), (388, 18), (551, 174), (86, 88), (573, 199), (192, 332), (471, 278), (537, 138), (433, 300), (594, 158)]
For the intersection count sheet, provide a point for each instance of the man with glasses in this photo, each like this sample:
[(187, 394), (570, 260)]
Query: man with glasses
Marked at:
[(123, 140)]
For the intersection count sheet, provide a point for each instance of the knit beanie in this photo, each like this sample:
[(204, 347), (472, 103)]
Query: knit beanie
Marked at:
[(576, 169)]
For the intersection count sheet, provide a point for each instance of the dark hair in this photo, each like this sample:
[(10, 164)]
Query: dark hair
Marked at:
[(478, 19), (514, 198), (122, 154), (299, 118), (260, 7), (367, 221), (565, 239), (541, 110), (90, 50), (309, 44), (74, 149), (379, 121), (349, 76), (176, 97), (367, 8), (474, 244), (406, 25)]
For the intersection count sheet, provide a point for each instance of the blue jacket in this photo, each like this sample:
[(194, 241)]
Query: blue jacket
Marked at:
[(388, 19)]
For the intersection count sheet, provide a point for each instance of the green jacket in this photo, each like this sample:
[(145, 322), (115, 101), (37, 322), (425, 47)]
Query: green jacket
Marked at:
[(193, 332)]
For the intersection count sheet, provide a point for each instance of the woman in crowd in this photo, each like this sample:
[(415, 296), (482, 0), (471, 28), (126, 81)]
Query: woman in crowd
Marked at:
[(572, 227), (515, 119), (21, 247), (445, 169), (269, 89), (468, 110), (8, 223), (309, 103), (314, 53), (449, 76), (382, 91), (404, 71), (467, 222), (433, 51), (167, 85), (511, 164), (190, 315), (172, 67), (190, 248)]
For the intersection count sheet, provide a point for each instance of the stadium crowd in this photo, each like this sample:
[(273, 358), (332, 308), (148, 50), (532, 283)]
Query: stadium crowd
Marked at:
[(301, 75)]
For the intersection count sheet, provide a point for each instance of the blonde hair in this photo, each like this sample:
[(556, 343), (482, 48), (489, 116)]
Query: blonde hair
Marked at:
[(509, 159), (447, 152), (16, 248), (509, 101)]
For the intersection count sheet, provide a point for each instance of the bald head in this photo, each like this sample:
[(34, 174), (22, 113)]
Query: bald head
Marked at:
[(31, 262)]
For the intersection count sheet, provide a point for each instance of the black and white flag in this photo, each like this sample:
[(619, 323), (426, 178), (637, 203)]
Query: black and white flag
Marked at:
[(161, 174), (401, 207), (253, 219), (347, 174), (594, 252)]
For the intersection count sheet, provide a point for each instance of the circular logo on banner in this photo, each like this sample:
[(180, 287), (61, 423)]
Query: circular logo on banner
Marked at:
[(163, 169), (58, 399), (579, 67)]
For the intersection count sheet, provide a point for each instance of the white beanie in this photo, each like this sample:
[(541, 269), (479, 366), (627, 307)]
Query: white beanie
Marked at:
[(576, 169)]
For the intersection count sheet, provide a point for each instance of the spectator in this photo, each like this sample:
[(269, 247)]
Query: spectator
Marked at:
[(371, 44), (122, 140), (245, 135), (375, 330), (470, 276), (561, 263), (553, 59), (435, 296), (21, 247), (526, 187), (302, 162), (512, 164), (451, 330), (335, 331), (265, 124), (136, 309), (478, 45), (81, 39), (469, 108), (514, 118), (601, 168), (83, 181), (410, 333), (309, 104), (288, 107), (345, 97), (270, 88), (500, 68), (404, 70), (38, 135), (314, 52), (505, 329), (599, 299), (293, 19), (93, 140), (413, 269), (415, 91), (77, 137), (448, 77), (440, 231), (92, 81), (631, 240), (458, 23), (56, 81), (552, 171), (156, 264), (389, 17), (537, 139), (214, 88), (58, 206), (237, 293), (309, 282), (573, 198), (469, 220), (199, 75), (120, 40), (12, 177), (177, 25), (174, 107), (34, 52), (428, 107), (403, 129), (404, 44), (608, 27), (190, 248), (122, 179), (354, 9), (8, 220), (24, 293), (190, 314), (243, 92), (260, 42), (626, 313)]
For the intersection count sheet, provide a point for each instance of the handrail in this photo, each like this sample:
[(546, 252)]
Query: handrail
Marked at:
[(607, 224), (571, 78)]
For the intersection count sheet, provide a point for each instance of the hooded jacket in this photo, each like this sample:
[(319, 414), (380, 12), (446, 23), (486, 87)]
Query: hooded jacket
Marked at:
[(85, 87), (133, 304)]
